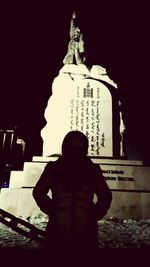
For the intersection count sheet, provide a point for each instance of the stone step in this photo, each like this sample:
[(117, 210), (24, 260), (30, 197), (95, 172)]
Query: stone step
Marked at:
[(130, 205), (16, 179), (9, 200), (125, 205), (118, 177), (95, 160), (19, 202), (32, 172), (135, 204)]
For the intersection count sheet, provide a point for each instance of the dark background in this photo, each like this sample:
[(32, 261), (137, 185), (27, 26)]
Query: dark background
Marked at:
[(34, 41)]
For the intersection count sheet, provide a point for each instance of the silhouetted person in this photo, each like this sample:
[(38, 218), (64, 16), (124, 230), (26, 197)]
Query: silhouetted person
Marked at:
[(73, 180)]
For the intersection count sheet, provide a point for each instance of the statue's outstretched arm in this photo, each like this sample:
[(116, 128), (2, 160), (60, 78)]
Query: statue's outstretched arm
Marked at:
[(72, 24)]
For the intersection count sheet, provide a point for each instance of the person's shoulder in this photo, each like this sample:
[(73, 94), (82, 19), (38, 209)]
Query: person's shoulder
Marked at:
[(98, 169), (94, 166), (52, 164)]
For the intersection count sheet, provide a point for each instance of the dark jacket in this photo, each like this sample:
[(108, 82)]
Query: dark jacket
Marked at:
[(73, 183)]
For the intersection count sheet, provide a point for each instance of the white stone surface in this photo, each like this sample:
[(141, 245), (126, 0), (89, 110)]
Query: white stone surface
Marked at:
[(19, 202), (9, 200), (94, 160), (26, 204), (133, 203), (81, 71), (127, 177), (118, 177), (32, 173), (16, 179), (125, 205), (78, 103)]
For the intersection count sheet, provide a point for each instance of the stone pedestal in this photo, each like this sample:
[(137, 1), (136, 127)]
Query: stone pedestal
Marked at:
[(128, 180)]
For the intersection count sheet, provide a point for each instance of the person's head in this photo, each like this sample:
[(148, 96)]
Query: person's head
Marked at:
[(75, 144)]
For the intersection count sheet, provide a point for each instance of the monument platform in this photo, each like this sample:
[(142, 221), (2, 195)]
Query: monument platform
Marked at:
[(128, 180)]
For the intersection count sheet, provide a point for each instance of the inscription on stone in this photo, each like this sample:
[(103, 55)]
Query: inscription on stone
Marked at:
[(87, 115), (84, 105)]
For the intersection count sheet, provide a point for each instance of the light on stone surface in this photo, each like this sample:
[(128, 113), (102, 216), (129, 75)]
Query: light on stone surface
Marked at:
[(80, 104)]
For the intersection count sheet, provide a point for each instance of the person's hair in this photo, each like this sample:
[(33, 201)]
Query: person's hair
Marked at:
[(75, 142)]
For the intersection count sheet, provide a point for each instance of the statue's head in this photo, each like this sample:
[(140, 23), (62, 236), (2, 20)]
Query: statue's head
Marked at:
[(75, 144)]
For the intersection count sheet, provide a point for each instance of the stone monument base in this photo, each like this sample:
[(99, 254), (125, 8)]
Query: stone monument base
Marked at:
[(129, 182)]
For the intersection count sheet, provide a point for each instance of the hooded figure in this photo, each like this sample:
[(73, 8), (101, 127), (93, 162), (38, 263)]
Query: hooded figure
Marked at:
[(73, 180)]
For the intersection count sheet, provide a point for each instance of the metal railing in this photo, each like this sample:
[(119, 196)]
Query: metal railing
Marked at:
[(21, 227)]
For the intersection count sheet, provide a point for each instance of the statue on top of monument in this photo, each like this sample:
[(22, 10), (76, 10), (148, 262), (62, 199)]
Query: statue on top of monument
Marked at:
[(76, 48), (75, 60)]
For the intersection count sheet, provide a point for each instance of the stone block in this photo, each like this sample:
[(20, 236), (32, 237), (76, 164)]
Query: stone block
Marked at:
[(130, 205), (145, 204), (16, 179), (118, 177), (142, 177), (125, 205), (95, 160), (27, 206), (32, 172), (9, 200), (127, 177)]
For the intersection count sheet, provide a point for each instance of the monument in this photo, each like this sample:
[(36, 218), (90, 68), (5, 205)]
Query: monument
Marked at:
[(83, 99)]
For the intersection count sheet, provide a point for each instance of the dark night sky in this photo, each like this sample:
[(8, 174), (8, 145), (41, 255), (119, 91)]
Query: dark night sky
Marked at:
[(34, 41)]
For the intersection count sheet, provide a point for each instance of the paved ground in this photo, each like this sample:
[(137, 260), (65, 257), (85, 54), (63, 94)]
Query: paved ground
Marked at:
[(121, 242), (113, 233)]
